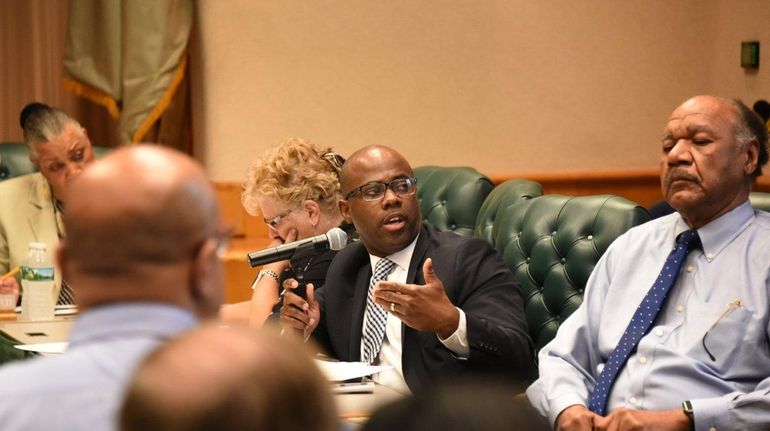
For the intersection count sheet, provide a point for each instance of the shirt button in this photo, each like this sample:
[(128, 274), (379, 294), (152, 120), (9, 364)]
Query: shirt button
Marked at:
[(710, 256), (659, 332), (690, 268), (632, 400), (643, 360), (680, 308)]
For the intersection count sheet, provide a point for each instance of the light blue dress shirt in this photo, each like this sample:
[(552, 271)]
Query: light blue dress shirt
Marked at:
[(82, 389), (720, 301)]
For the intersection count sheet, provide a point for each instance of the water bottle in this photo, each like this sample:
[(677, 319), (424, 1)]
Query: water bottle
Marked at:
[(37, 284)]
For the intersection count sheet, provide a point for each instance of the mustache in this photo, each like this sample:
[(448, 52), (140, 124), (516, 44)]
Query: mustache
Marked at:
[(680, 176)]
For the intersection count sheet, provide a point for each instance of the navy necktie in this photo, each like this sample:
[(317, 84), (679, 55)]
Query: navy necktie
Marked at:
[(642, 321), (374, 327)]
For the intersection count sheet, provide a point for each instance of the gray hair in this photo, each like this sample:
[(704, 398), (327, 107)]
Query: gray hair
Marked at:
[(749, 127), (41, 123)]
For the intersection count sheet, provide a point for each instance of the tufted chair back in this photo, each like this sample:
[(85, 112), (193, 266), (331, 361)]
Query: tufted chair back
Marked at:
[(505, 194), (552, 243), (760, 200), (450, 197), (14, 159)]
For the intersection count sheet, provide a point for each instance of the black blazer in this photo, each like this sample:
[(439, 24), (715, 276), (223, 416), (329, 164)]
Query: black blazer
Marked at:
[(476, 280)]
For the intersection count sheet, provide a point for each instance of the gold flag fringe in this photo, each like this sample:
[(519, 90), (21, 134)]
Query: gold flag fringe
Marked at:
[(160, 108), (93, 94)]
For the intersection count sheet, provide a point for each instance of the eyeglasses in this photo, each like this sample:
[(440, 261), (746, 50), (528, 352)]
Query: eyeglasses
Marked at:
[(376, 191), (730, 307), (222, 238), (223, 242), (276, 221)]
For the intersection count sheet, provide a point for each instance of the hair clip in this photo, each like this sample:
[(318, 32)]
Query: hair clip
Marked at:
[(334, 159)]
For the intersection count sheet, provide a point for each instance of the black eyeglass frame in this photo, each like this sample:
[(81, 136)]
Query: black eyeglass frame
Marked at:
[(410, 182)]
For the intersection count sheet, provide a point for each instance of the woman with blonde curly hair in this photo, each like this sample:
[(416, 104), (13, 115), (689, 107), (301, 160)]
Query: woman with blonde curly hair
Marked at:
[(296, 189)]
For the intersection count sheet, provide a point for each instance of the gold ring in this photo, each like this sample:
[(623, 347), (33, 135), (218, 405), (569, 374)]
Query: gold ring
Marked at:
[(393, 307)]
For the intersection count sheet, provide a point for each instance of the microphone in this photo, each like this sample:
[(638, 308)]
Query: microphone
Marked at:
[(335, 239)]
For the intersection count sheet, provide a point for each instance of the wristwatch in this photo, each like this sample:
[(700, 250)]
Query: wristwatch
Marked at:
[(265, 272), (687, 410)]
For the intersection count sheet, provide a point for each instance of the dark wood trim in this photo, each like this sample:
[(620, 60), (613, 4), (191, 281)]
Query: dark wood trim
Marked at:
[(639, 185)]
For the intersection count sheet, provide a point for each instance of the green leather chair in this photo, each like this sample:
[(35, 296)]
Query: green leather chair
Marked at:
[(450, 197), (8, 353), (14, 159), (505, 194), (552, 243), (760, 200)]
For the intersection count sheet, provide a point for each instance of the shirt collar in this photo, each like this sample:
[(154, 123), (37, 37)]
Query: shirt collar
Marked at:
[(717, 234), (120, 320), (401, 258)]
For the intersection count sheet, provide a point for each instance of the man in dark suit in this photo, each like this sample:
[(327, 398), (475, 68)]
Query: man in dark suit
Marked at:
[(436, 305)]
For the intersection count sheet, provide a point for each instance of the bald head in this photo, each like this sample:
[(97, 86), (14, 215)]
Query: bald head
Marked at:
[(367, 159), (387, 222), (253, 380), (140, 213)]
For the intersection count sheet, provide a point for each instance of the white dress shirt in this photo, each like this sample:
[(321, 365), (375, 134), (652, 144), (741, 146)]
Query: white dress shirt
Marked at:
[(390, 352)]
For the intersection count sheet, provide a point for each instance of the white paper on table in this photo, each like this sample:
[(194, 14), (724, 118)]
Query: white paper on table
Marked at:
[(65, 310), (50, 348), (339, 371), (59, 310)]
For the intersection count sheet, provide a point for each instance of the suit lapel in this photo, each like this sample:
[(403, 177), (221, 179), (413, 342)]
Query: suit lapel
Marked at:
[(40, 201), (359, 305), (41, 206), (414, 274)]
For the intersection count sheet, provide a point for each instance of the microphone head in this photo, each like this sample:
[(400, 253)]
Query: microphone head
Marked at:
[(337, 237)]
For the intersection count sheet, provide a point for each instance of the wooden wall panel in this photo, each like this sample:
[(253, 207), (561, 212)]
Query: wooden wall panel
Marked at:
[(641, 186), (249, 234)]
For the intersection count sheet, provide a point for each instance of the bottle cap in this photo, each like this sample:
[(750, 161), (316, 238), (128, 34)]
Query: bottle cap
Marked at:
[(38, 245)]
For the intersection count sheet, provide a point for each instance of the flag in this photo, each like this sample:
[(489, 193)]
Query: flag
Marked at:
[(129, 56)]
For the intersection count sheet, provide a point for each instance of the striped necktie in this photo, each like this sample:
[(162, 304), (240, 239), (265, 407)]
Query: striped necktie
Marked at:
[(642, 321), (374, 324), (66, 296)]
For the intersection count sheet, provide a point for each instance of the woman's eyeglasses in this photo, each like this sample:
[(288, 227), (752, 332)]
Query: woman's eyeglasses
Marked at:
[(276, 221)]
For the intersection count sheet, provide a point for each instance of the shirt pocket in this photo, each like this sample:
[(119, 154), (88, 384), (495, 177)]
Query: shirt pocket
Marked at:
[(718, 339)]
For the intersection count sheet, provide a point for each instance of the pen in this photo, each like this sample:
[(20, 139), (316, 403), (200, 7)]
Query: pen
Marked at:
[(10, 273)]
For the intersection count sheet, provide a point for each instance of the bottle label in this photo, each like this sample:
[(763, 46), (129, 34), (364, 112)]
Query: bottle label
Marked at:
[(36, 274)]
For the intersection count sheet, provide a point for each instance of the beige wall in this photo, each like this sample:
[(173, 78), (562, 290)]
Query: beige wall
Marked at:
[(507, 86), (736, 21)]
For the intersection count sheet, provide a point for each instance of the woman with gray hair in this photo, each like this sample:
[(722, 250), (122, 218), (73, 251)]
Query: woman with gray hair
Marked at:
[(32, 204)]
